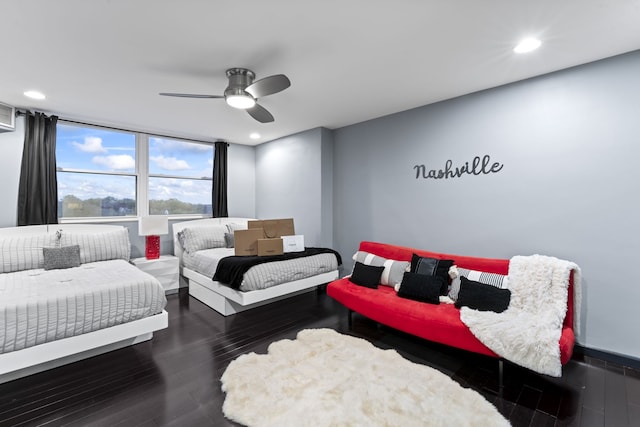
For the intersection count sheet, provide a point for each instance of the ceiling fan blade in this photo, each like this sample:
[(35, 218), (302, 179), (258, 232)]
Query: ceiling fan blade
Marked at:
[(188, 95), (268, 85), (260, 113)]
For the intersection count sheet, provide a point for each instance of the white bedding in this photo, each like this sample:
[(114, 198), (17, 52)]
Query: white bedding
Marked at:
[(265, 275), (205, 261), (38, 306)]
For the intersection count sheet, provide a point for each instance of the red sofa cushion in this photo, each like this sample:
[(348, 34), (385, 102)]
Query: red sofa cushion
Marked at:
[(440, 323)]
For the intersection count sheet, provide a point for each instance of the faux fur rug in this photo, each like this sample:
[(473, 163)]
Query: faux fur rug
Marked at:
[(528, 331), (323, 378)]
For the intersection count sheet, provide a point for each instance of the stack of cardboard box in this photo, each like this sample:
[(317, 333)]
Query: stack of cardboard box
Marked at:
[(268, 237)]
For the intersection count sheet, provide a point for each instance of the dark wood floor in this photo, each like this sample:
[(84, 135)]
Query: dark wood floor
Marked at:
[(174, 379)]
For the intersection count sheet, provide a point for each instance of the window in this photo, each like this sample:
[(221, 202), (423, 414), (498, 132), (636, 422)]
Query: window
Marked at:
[(111, 173), (180, 177)]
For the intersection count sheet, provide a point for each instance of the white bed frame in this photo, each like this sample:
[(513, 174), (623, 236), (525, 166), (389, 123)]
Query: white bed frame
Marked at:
[(226, 300), (41, 357)]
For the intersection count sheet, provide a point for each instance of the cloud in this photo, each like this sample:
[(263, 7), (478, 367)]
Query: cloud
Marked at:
[(88, 186), (191, 191), (91, 144), (170, 163), (171, 145), (117, 162)]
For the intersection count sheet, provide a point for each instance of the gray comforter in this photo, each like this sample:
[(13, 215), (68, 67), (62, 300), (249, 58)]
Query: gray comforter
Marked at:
[(38, 306)]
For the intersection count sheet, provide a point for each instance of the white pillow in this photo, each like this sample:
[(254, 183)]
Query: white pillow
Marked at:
[(205, 237), (233, 226), (19, 253), (101, 246), (393, 269)]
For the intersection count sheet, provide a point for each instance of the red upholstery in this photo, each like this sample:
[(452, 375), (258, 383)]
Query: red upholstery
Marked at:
[(440, 323)]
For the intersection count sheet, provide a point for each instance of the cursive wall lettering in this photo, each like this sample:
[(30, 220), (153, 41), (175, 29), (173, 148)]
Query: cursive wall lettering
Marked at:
[(478, 166)]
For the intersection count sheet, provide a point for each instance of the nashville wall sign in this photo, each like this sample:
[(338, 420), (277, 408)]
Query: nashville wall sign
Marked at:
[(478, 166)]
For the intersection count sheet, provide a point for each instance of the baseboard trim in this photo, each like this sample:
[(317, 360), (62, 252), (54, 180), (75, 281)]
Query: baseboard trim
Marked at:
[(606, 356)]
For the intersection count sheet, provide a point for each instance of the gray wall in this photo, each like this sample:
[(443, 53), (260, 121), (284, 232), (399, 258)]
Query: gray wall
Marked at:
[(241, 181), (569, 143), (294, 177)]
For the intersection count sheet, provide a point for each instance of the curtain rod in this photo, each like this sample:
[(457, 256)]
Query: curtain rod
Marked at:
[(24, 113)]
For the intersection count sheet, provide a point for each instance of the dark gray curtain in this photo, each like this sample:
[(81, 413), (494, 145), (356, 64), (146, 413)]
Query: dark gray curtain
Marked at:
[(219, 196), (38, 191)]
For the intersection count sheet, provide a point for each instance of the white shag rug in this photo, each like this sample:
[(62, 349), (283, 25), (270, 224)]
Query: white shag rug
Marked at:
[(323, 378)]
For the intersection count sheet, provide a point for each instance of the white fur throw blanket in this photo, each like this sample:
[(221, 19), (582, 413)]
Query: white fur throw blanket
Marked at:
[(528, 331)]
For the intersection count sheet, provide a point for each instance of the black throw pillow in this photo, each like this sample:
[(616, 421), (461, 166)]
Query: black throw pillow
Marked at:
[(433, 267), (420, 287), (366, 275), (482, 297)]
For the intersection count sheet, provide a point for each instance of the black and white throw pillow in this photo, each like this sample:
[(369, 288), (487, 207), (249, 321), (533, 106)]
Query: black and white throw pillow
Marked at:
[(393, 269), (496, 280)]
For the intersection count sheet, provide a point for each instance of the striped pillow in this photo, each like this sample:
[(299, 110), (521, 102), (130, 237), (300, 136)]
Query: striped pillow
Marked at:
[(99, 246), (497, 280), (393, 269), (19, 253), (206, 237)]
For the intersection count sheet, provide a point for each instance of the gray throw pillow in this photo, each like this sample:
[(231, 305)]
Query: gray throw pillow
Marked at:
[(230, 240), (62, 257)]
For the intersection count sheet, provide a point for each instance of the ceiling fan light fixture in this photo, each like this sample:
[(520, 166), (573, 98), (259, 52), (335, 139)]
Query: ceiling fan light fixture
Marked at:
[(242, 102)]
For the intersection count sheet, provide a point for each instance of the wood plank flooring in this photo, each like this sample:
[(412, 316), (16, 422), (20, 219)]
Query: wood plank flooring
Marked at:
[(174, 379)]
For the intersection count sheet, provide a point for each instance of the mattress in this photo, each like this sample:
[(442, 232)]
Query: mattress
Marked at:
[(38, 306), (262, 276)]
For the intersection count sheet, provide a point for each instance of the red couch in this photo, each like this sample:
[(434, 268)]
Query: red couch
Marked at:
[(440, 323)]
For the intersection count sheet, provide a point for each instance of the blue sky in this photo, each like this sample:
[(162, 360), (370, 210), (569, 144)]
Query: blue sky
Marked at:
[(103, 150)]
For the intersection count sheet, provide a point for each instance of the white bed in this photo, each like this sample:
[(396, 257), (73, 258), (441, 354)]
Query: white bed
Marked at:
[(76, 327), (226, 300)]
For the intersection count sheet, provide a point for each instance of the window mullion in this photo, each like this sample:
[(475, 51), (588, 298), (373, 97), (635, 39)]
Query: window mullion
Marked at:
[(142, 167)]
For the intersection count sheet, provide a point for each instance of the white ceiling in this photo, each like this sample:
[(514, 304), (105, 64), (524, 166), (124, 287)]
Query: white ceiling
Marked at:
[(105, 61)]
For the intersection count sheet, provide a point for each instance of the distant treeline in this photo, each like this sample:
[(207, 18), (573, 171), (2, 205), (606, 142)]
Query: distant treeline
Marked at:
[(72, 206)]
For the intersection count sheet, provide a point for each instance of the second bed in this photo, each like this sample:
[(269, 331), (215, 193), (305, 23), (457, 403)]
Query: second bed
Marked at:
[(260, 284)]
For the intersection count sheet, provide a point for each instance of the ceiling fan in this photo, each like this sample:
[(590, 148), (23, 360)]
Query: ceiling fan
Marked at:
[(243, 92)]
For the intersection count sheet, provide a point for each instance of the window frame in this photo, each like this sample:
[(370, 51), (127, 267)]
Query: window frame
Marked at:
[(141, 175)]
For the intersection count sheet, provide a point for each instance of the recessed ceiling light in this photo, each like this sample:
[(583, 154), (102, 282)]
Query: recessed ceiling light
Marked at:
[(527, 45), (34, 94), (254, 135)]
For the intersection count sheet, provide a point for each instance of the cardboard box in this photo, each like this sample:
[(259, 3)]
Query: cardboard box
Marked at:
[(246, 241), (293, 243), (270, 247), (274, 228)]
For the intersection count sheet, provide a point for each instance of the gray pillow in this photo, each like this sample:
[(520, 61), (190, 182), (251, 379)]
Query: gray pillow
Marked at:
[(230, 240), (393, 269), (204, 237), (62, 257)]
